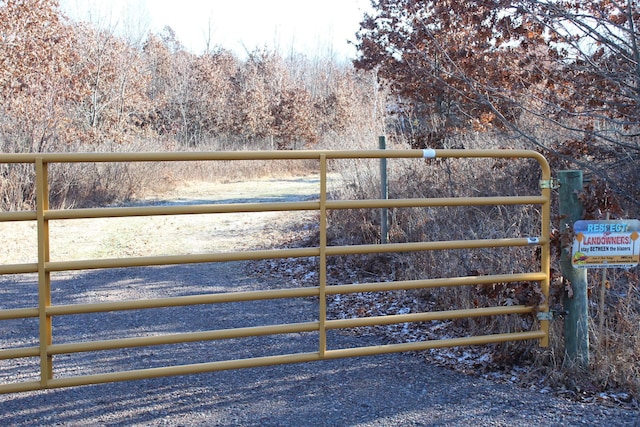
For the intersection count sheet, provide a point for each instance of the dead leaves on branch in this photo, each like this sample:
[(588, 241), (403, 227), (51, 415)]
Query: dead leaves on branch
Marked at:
[(64, 82)]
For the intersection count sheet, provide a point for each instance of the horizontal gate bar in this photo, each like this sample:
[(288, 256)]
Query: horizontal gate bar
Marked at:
[(268, 155), (264, 330), (282, 329), (435, 202), (15, 353), (19, 268), (226, 297), (180, 210), (179, 259), (312, 291), (437, 245), (220, 334), (268, 361), (288, 253), (19, 313), (428, 316), (436, 283), (268, 207), (140, 374), (18, 216), (427, 345), (286, 206)]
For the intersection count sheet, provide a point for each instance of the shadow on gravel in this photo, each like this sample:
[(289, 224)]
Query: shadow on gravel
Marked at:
[(386, 390)]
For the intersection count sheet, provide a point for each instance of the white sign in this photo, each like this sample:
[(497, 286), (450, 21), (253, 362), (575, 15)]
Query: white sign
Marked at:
[(602, 244)]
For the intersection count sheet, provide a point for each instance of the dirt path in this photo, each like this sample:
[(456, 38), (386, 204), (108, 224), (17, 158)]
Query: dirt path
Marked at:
[(168, 235)]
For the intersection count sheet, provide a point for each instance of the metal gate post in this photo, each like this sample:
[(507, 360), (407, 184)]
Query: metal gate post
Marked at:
[(323, 258), (44, 277), (545, 251), (384, 193)]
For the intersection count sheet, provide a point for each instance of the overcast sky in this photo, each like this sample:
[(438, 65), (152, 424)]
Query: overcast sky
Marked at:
[(314, 27)]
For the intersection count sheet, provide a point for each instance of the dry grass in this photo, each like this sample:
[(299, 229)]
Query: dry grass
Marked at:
[(615, 350), (100, 184)]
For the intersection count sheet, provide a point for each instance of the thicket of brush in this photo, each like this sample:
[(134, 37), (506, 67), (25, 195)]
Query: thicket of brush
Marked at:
[(614, 312)]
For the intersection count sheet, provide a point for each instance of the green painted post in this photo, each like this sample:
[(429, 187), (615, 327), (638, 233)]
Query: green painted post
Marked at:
[(384, 193), (576, 322)]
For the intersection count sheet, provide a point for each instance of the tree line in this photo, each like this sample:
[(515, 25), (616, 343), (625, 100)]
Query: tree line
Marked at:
[(64, 83)]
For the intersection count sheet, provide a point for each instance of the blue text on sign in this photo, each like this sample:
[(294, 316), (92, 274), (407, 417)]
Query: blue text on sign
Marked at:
[(611, 227)]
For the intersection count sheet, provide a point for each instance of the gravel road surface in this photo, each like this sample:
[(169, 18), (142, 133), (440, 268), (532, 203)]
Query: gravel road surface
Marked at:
[(386, 390)]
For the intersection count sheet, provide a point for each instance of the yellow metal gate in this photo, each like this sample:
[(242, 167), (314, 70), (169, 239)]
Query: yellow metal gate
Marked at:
[(44, 311)]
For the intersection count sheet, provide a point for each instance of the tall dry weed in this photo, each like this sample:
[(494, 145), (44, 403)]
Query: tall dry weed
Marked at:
[(614, 350), (100, 184)]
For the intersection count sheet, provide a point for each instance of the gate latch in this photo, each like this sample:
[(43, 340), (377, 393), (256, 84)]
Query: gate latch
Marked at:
[(545, 315), (552, 183)]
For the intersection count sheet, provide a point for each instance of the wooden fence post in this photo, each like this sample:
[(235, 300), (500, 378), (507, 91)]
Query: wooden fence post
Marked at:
[(576, 322)]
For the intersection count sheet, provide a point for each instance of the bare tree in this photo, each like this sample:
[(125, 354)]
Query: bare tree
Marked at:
[(498, 65)]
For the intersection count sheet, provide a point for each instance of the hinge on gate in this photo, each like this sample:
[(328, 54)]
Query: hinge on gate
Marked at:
[(549, 183), (545, 315)]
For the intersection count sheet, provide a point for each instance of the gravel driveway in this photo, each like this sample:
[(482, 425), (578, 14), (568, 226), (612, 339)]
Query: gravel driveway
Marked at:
[(386, 390)]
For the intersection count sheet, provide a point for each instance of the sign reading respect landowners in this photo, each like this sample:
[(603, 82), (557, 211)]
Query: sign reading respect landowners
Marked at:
[(602, 244)]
